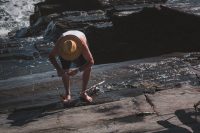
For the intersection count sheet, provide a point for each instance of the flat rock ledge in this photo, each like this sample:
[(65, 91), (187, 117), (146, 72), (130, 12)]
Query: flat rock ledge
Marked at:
[(172, 112), (142, 99)]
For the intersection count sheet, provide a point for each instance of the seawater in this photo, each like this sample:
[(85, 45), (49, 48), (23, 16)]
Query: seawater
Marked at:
[(14, 14), (192, 6)]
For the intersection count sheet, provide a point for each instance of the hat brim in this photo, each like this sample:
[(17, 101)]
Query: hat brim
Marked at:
[(73, 55)]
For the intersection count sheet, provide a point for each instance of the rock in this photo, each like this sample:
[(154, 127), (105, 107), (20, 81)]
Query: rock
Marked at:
[(19, 54), (131, 29), (52, 6), (44, 48), (18, 49), (31, 103), (156, 29)]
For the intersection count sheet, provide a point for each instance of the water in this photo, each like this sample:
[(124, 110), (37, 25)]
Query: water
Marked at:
[(192, 6), (14, 14)]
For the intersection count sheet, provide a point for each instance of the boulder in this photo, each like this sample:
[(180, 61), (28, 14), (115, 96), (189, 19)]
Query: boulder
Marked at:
[(157, 30)]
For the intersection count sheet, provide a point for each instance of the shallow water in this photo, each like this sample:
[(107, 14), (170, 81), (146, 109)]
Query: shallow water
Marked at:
[(187, 5)]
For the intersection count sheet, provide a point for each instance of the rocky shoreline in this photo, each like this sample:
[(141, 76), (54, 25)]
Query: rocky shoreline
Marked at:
[(130, 27), (150, 95)]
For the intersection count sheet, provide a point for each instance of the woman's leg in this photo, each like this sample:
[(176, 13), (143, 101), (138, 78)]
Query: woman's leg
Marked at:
[(66, 82), (85, 79)]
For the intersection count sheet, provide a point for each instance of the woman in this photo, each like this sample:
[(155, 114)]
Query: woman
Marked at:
[(73, 51)]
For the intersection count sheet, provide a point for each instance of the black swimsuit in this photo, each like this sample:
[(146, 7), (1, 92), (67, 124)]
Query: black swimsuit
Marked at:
[(72, 64)]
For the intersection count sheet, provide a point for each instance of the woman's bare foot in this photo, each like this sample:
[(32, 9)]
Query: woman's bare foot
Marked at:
[(86, 97), (66, 98)]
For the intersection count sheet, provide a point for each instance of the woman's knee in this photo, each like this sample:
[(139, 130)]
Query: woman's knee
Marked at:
[(88, 69), (65, 75)]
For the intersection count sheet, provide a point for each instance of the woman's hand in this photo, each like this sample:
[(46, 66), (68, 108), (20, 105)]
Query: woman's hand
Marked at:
[(72, 72)]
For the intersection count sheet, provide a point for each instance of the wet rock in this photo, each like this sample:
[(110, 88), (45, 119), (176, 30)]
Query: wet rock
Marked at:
[(18, 49), (44, 48), (20, 54), (9, 44), (131, 29)]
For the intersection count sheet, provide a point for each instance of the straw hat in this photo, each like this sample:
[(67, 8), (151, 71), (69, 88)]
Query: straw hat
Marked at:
[(70, 47)]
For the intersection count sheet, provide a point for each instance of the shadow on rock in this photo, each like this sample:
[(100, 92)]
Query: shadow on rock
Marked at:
[(128, 119), (171, 128), (24, 116), (187, 117), (105, 110)]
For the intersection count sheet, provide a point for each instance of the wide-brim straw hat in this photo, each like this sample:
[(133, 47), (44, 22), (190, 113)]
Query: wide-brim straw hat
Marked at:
[(70, 47)]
